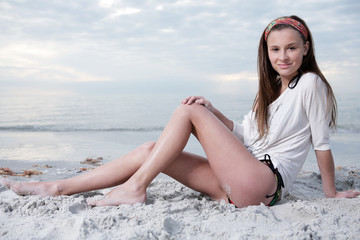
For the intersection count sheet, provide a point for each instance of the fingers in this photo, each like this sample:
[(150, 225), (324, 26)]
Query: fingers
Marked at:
[(198, 100), (355, 194), (193, 99), (352, 194), (186, 100), (347, 194)]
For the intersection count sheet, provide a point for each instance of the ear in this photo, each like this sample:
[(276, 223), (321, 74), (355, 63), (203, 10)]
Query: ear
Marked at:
[(306, 48)]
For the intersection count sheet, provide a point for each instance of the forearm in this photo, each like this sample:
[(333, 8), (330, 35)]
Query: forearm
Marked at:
[(327, 171), (228, 123)]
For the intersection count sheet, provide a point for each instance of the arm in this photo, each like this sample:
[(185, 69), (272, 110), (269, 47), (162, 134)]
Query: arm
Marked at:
[(327, 170), (228, 123), (206, 103)]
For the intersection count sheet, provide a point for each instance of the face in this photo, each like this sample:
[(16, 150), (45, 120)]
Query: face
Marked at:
[(286, 50)]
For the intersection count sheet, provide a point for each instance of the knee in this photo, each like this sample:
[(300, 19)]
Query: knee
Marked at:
[(188, 110), (146, 148)]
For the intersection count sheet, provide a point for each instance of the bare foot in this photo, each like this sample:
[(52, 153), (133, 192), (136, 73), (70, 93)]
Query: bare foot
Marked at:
[(41, 189), (118, 196)]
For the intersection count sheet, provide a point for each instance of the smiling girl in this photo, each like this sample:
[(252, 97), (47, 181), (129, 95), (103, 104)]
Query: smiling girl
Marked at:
[(246, 164)]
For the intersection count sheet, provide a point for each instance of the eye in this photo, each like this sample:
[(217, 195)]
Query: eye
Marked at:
[(292, 48), (275, 49)]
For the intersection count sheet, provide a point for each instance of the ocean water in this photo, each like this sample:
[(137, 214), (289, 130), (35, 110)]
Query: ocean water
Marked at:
[(72, 128)]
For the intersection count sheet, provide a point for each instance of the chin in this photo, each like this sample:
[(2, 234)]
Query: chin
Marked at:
[(286, 74)]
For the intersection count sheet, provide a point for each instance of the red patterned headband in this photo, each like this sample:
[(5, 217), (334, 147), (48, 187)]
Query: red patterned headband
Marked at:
[(288, 21)]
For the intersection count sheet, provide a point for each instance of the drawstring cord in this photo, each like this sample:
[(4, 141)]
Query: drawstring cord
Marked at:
[(267, 161), (294, 79)]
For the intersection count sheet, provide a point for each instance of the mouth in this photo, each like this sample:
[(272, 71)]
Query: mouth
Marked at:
[(284, 65)]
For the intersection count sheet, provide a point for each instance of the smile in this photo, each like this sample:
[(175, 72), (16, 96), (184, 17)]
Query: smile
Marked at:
[(284, 65)]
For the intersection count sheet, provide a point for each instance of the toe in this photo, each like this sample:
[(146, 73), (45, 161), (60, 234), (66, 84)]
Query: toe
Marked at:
[(5, 182), (94, 201)]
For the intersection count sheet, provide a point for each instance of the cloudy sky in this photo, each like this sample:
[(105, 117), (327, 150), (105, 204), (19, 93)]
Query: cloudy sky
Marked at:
[(156, 46)]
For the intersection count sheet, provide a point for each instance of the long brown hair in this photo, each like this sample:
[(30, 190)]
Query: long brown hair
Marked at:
[(268, 79)]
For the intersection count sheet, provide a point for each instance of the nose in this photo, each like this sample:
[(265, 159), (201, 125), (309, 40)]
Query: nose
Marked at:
[(283, 55)]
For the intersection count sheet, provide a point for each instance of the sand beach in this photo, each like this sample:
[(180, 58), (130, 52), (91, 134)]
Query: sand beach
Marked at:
[(173, 211)]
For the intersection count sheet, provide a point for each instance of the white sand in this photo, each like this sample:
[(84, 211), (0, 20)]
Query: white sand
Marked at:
[(173, 211)]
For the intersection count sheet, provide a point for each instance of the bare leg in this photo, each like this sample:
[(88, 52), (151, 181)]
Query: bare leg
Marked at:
[(242, 176), (108, 175), (189, 169)]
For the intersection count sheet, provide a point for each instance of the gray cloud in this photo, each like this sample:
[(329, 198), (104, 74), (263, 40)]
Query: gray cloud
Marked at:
[(162, 41)]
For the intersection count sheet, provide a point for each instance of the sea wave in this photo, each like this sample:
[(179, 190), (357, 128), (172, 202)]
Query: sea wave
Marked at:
[(32, 128), (348, 128), (341, 128)]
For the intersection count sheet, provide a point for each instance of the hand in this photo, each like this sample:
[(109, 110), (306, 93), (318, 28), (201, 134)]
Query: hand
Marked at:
[(347, 194), (198, 100)]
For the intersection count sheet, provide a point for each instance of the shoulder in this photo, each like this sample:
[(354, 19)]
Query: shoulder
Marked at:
[(311, 82), (309, 79), (312, 89)]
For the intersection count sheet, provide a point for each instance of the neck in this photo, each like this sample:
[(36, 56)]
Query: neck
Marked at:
[(284, 86), (285, 81)]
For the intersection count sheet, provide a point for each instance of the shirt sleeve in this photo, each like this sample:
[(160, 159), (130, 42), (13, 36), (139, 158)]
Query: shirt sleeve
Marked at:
[(238, 131), (318, 113)]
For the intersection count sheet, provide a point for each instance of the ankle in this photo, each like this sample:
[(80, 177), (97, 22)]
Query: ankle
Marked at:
[(135, 185), (53, 189)]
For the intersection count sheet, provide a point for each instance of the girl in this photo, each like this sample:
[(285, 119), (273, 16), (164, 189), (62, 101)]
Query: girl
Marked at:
[(294, 108)]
